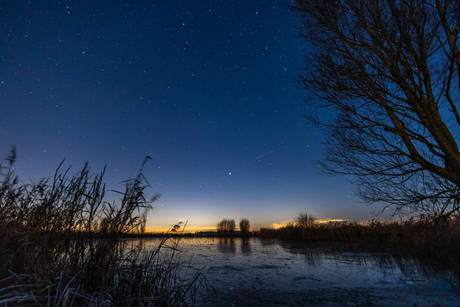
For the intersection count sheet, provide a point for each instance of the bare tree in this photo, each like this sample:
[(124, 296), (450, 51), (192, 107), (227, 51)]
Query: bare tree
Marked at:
[(244, 225), (226, 225), (220, 227), (305, 220), (231, 226), (388, 70)]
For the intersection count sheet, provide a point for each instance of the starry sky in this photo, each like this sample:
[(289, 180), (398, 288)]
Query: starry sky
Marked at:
[(206, 88)]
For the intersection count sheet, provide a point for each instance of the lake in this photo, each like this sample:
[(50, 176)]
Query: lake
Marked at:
[(267, 272)]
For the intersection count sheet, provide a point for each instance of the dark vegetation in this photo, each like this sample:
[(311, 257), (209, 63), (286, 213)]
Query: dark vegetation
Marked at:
[(437, 241), (244, 225), (227, 227), (62, 245), (388, 73)]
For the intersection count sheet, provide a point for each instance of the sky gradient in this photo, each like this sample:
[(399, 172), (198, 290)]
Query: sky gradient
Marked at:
[(205, 88)]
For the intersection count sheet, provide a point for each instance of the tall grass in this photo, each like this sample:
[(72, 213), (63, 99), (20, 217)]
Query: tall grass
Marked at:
[(62, 245), (438, 241)]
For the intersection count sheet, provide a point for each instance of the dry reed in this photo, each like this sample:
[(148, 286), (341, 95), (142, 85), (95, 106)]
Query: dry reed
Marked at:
[(62, 245), (437, 241)]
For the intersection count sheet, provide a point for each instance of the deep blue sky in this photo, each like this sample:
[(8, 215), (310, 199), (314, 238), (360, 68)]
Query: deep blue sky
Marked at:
[(206, 88)]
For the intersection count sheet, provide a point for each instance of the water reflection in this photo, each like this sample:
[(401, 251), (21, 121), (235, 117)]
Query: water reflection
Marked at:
[(316, 257), (275, 253), (290, 270), (246, 247), (313, 259), (346, 255), (268, 242), (226, 246)]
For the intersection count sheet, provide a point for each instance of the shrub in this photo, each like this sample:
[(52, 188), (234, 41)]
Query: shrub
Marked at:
[(304, 220)]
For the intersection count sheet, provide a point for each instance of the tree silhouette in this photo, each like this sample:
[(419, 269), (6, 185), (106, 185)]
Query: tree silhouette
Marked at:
[(226, 226), (388, 72), (305, 220), (244, 225), (231, 226)]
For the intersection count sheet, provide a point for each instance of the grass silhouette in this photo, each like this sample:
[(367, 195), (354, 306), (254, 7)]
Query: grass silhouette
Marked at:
[(62, 245)]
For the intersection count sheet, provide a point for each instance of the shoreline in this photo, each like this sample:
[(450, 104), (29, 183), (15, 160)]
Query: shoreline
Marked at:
[(189, 235)]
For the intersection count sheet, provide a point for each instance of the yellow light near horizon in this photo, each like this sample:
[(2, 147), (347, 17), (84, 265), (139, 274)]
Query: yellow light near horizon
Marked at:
[(321, 221), (189, 228), (195, 228), (281, 224), (330, 220)]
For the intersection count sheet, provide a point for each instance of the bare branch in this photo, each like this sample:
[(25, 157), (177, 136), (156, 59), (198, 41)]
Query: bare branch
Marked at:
[(390, 71)]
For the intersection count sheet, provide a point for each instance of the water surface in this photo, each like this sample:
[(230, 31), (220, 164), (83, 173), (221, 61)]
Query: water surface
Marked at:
[(261, 272)]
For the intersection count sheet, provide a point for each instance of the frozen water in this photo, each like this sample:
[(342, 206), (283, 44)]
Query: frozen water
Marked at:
[(261, 272)]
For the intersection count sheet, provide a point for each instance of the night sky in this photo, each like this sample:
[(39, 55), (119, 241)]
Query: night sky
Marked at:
[(206, 88)]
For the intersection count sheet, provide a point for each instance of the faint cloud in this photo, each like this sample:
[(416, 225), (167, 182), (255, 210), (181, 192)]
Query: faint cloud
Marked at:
[(281, 224)]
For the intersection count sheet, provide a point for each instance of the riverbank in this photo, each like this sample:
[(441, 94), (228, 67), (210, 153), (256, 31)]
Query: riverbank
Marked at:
[(436, 241)]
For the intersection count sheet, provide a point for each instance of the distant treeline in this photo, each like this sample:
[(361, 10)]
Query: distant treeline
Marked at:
[(227, 226)]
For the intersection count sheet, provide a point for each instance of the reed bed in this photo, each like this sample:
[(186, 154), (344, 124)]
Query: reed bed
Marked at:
[(437, 241), (62, 245)]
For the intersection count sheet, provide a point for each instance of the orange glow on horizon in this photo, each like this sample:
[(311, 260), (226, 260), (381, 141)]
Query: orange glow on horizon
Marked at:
[(188, 229), (194, 228), (321, 221), (281, 224)]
